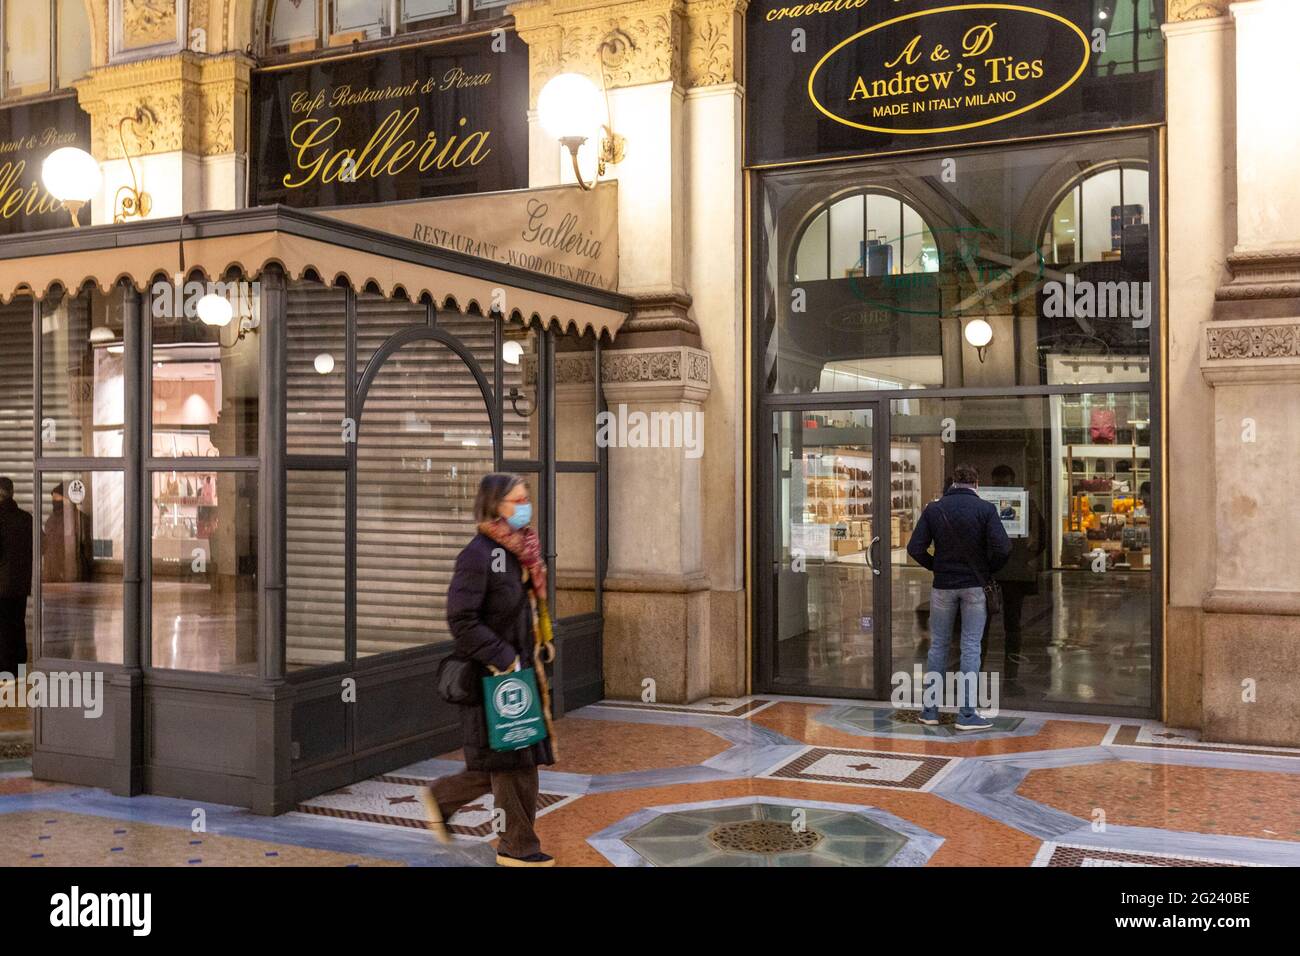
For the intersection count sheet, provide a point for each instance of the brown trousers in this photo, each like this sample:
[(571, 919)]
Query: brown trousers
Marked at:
[(513, 791)]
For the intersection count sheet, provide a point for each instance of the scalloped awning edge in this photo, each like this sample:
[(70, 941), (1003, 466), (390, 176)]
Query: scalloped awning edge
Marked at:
[(251, 253)]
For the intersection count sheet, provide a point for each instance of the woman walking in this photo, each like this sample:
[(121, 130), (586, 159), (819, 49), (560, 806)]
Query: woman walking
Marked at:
[(498, 586)]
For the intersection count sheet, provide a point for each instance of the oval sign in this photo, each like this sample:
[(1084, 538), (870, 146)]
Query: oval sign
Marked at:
[(949, 69)]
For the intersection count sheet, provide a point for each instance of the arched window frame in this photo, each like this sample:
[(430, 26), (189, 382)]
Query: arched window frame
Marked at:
[(341, 22), (1046, 230), (824, 207), (67, 61)]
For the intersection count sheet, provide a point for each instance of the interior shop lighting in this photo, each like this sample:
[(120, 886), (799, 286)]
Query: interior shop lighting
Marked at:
[(979, 334), (511, 352), (101, 334), (71, 176), (324, 363)]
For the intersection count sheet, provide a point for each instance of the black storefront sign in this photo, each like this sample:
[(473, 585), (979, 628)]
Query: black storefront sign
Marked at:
[(437, 119), (844, 77), (29, 133)]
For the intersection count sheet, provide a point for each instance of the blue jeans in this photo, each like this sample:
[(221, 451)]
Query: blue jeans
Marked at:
[(944, 606)]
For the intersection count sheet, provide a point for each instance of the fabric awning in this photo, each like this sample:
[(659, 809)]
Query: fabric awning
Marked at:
[(300, 243)]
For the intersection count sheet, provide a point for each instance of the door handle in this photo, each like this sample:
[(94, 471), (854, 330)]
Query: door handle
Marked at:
[(870, 547)]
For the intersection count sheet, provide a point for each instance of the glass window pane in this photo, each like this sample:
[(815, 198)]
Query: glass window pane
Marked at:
[(378, 319), (424, 441), (884, 250), (846, 237), (575, 544), (424, 9), (359, 14), (205, 377), (82, 390), (316, 318), (204, 558), (576, 398), (1071, 477), (74, 41), (17, 409), (294, 20), (82, 532), (490, 4), (1100, 207), (810, 263), (825, 619), (520, 432), (972, 249), (315, 581), (27, 47)]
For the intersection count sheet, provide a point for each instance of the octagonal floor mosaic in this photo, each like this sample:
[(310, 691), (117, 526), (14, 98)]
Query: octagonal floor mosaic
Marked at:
[(765, 834)]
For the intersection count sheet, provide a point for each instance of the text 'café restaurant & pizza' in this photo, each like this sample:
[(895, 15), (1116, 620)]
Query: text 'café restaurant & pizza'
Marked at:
[(280, 280)]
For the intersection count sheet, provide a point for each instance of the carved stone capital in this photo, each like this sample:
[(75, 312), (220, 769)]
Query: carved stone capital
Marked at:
[(1251, 352), (1178, 11), (679, 373), (689, 42), (192, 103)]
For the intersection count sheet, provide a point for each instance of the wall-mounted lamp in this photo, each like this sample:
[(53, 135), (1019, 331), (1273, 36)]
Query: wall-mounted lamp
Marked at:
[(71, 176), (979, 334), (515, 395), (217, 311), (130, 200), (569, 109)]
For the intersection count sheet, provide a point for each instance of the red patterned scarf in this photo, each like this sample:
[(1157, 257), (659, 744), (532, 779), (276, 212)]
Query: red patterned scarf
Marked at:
[(524, 545)]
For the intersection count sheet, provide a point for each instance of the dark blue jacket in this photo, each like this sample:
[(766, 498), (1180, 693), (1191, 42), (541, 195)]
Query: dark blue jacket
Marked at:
[(971, 520)]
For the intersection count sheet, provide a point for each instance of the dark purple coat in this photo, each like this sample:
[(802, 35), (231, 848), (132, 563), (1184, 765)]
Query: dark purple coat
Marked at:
[(491, 620)]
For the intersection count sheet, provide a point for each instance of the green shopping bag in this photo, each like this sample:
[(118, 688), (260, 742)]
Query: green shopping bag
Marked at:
[(514, 710)]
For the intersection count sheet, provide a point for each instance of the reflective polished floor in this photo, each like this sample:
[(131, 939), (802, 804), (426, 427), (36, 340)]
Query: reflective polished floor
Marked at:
[(759, 781)]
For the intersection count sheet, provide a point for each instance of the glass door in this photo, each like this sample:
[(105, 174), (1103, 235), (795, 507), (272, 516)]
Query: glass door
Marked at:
[(827, 543)]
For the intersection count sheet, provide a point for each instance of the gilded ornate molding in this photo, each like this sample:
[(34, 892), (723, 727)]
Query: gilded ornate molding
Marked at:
[(199, 103), (689, 42), (1183, 10)]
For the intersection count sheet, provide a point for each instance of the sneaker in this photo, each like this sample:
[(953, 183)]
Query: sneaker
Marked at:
[(929, 716), (533, 859), (973, 722), (436, 823)]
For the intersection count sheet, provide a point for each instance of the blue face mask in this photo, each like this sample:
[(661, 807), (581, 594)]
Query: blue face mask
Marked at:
[(523, 514)]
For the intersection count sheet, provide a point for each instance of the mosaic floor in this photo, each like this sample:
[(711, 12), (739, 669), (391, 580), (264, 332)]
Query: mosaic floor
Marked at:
[(752, 782)]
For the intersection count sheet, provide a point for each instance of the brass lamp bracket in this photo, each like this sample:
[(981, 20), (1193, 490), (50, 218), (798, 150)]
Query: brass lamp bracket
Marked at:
[(131, 201)]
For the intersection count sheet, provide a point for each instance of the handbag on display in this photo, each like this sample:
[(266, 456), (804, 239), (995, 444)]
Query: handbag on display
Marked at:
[(1101, 426)]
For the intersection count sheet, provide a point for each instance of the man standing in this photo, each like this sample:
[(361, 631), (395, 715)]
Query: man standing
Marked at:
[(15, 578), (970, 546)]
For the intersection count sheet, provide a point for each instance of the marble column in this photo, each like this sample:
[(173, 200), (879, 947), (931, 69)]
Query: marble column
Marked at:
[(1251, 358)]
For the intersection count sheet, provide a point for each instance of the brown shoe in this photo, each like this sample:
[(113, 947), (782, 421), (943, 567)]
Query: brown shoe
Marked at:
[(436, 823), (533, 859)]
